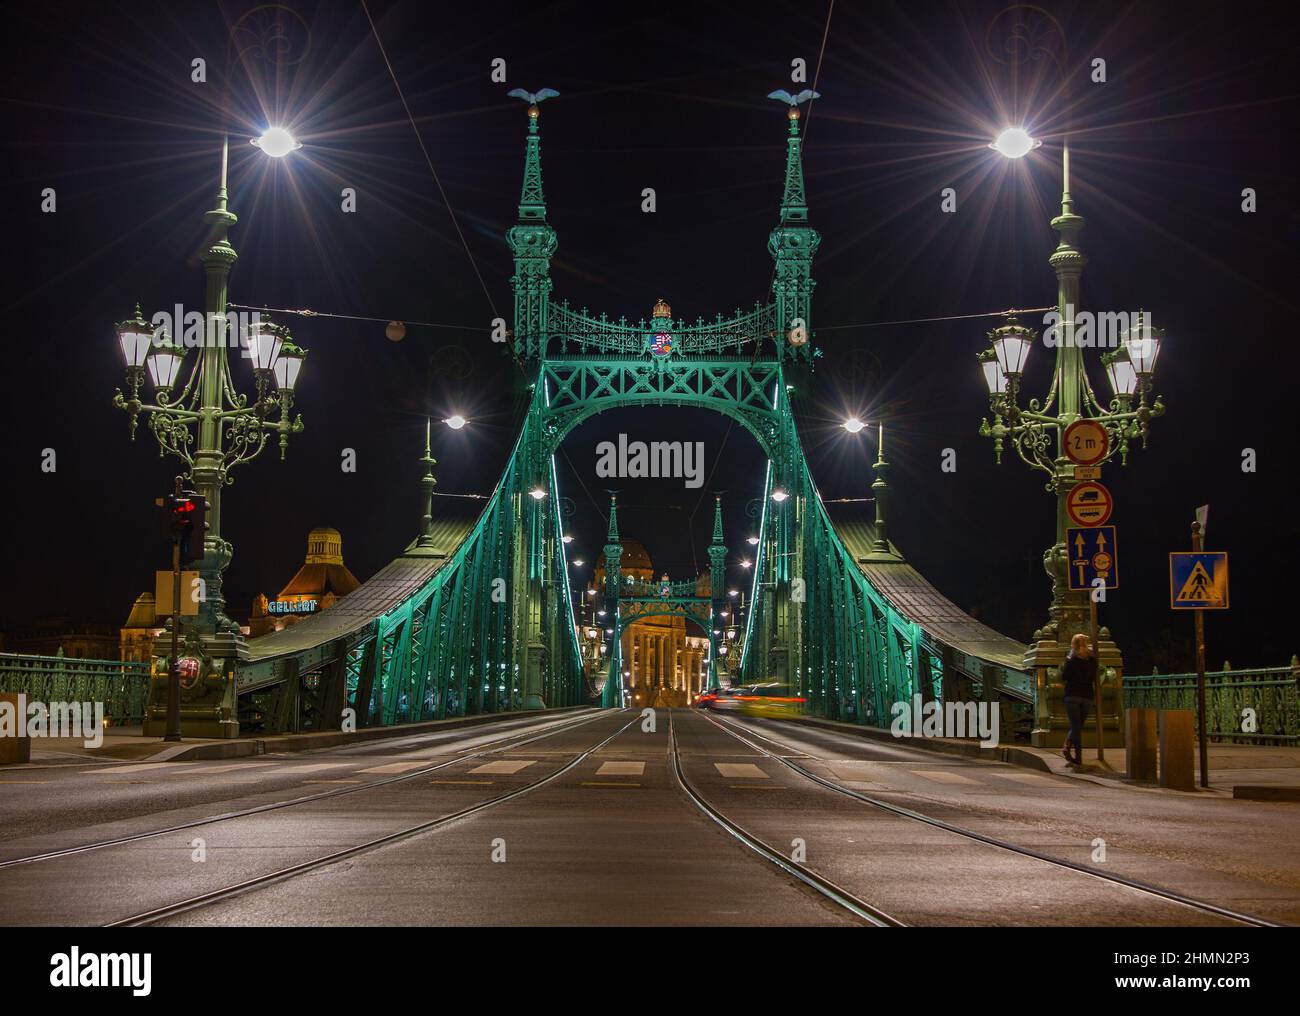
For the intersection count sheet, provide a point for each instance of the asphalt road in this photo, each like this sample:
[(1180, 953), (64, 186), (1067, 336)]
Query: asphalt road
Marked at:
[(583, 820)]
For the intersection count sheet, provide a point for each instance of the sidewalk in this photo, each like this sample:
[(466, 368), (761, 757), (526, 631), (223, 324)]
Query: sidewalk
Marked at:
[(1256, 772), (128, 744)]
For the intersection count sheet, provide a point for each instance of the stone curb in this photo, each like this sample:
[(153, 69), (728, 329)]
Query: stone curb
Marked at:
[(1266, 793)]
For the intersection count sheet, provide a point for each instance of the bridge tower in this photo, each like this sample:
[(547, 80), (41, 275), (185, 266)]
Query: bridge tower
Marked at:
[(792, 244), (717, 590), (533, 242), (613, 695)]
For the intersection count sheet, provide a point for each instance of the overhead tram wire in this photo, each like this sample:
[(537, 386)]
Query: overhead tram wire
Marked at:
[(950, 317), (429, 161), (308, 312)]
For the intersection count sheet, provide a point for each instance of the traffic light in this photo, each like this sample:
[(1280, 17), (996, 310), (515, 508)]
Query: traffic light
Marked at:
[(185, 519)]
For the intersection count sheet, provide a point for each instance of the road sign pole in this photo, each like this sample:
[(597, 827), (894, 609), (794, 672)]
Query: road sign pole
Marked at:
[(1096, 684), (1200, 672), (174, 677)]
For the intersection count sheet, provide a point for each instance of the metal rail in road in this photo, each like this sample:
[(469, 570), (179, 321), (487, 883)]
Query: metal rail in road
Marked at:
[(491, 748), (292, 871), (1143, 887)]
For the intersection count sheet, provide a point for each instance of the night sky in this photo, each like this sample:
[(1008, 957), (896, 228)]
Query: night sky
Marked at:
[(1199, 103)]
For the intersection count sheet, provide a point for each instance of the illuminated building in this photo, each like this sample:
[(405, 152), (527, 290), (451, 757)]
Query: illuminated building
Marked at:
[(665, 658), (319, 583)]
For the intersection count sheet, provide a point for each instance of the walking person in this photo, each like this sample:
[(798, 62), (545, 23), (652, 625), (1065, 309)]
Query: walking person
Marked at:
[(1079, 672)]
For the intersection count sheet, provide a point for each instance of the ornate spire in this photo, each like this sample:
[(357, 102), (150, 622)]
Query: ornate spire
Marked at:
[(794, 205), (881, 545), (613, 519), (427, 483), (792, 245), (717, 556), (613, 551), (532, 202), (532, 241)]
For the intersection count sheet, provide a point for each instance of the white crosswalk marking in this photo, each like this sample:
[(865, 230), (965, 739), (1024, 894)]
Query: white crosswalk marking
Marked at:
[(1027, 777), (206, 770), (504, 768), (621, 769), (314, 767), (939, 776), (139, 768), (395, 767), (740, 770)]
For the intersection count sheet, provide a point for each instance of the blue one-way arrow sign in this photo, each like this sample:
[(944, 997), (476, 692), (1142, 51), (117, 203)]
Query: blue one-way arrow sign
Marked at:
[(1092, 554)]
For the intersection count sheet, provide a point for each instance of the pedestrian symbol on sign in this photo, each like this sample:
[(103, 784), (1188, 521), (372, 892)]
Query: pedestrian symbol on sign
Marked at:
[(1198, 581)]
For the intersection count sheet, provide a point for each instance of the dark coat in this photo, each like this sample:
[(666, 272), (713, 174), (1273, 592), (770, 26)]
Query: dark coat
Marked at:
[(1079, 676)]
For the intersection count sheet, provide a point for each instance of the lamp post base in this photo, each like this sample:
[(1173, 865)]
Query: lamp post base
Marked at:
[(209, 698)]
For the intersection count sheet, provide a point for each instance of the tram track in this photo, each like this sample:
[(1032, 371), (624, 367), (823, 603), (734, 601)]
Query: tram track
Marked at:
[(835, 894), (214, 896), (507, 742), (1158, 892)]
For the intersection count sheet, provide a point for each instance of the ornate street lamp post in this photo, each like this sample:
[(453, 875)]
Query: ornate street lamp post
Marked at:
[(199, 416), (1037, 431)]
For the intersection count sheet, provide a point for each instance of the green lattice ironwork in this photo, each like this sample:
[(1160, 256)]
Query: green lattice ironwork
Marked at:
[(123, 687), (1272, 693), (487, 623)]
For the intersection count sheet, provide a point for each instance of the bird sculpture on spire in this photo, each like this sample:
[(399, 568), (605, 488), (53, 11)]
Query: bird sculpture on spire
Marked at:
[(794, 100), (532, 98)]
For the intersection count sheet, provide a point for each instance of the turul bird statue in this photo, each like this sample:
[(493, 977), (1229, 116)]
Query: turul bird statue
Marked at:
[(533, 98), (793, 100)]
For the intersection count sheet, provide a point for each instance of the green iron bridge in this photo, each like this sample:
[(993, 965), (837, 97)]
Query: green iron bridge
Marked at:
[(476, 615)]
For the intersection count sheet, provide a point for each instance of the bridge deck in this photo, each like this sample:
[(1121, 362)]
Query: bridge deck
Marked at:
[(378, 595), (919, 601)]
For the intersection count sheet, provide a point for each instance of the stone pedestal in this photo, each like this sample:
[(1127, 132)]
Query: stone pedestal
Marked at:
[(209, 704), (14, 749), (1140, 740), (1178, 749)]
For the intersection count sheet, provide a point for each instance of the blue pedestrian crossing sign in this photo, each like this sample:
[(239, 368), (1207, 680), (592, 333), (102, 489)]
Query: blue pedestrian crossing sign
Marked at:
[(1198, 580), (1092, 555)]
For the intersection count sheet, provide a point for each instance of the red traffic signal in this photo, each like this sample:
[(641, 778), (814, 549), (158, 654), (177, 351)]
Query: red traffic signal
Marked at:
[(185, 520)]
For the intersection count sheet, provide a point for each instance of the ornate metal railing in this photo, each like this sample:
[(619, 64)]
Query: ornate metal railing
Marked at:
[(122, 687), (1272, 693), (660, 590), (577, 332)]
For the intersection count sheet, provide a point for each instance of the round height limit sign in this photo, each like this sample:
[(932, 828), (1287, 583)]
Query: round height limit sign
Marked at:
[(1086, 442)]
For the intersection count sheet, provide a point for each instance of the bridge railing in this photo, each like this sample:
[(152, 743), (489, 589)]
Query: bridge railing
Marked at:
[(1272, 693), (574, 331), (123, 687)]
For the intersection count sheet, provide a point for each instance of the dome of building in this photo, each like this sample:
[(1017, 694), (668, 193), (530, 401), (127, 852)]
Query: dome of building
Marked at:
[(634, 561), (324, 546), (143, 613)]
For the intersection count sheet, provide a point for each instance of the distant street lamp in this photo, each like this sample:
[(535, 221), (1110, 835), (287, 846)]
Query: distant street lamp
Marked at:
[(277, 142), (1014, 143), (455, 422)]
